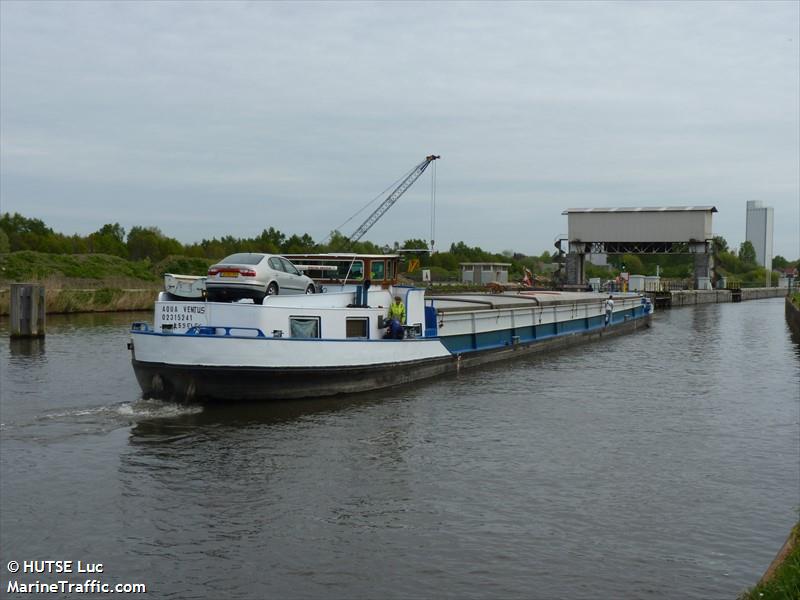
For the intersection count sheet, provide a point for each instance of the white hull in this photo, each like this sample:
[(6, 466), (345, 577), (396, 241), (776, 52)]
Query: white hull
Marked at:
[(281, 353), (245, 351)]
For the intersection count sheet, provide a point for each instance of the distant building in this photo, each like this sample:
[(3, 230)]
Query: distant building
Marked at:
[(788, 277), (759, 231), (482, 273)]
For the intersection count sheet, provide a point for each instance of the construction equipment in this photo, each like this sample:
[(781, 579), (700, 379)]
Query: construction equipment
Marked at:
[(392, 198)]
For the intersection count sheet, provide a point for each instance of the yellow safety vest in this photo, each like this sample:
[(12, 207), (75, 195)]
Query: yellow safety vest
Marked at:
[(397, 311)]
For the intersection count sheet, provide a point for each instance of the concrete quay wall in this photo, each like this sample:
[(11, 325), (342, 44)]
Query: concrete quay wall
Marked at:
[(692, 297), (793, 316), (770, 292)]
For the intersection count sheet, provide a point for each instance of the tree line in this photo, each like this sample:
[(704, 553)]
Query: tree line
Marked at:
[(150, 244)]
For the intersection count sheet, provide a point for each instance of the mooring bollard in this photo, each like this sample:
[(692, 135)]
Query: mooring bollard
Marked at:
[(27, 314)]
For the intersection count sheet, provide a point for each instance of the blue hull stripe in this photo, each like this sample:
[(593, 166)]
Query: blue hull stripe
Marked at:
[(459, 344)]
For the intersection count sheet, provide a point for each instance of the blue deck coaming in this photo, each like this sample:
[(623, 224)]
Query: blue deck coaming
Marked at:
[(265, 338), (476, 342)]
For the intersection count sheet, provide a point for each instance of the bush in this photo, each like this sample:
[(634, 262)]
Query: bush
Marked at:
[(27, 265), (183, 265)]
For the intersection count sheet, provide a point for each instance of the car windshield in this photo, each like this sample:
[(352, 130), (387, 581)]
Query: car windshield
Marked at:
[(243, 259)]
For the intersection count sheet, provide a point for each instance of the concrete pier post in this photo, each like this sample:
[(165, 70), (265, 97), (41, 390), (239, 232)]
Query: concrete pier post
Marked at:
[(703, 271), (575, 268), (27, 310)]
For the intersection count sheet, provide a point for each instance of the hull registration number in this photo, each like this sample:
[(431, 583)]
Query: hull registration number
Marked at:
[(180, 315)]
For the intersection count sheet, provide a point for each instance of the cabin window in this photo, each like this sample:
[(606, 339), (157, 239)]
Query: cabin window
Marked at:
[(486, 267), (378, 270), (357, 327), (351, 269), (304, 327), (468, 268), (390, 269)]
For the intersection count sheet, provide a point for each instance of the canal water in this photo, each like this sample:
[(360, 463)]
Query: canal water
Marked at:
[(662, 464)]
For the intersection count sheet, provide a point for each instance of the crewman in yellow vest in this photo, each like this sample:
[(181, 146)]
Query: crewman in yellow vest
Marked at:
[(397, 316)]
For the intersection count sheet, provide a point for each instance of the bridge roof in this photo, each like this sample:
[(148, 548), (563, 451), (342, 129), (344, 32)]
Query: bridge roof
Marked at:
[(712, 209)]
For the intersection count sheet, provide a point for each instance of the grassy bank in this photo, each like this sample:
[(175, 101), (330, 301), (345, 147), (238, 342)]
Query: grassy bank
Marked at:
[(89, 282), (79, 270), (37, 266), (782, 579), (105, 299)]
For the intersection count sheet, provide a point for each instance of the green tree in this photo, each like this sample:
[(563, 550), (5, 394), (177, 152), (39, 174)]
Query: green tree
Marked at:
[(415, 244), (296, 244), (30, 234), (633, 264), (338, 242), (719, 244), (150, 242), (422, 254), (445, 260), (5, 246), (729, 263), (109, 239), (271, 240), (747, 254), (778, 262)]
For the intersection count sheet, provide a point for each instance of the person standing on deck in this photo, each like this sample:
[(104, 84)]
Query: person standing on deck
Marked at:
[(397, 316), (609, 309)]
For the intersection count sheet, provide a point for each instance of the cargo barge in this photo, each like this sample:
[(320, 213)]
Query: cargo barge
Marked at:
[(331, 343)]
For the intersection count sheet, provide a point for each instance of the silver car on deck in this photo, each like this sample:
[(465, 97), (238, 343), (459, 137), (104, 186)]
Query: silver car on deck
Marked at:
[(255, 275)]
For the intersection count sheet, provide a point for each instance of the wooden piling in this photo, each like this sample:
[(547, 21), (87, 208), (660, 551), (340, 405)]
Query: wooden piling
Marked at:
[(26, 310)]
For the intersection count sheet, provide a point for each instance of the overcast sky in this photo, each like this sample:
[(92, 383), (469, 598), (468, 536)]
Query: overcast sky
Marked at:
[(210, 119)]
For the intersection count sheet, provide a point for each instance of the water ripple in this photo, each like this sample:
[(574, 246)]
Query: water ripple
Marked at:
[(657, 465)]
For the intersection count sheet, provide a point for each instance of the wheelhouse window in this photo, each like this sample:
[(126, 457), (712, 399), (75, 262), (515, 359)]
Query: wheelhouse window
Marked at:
[(357, 327), (378, 270), (350, 269), (390, 269), (304, 327), (319, 270)]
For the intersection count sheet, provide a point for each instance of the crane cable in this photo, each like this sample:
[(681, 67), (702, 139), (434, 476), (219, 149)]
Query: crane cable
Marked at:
[(433, 206), (371, 202)]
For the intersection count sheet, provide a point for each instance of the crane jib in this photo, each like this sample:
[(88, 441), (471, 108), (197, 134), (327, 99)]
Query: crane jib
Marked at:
[(392, 198)]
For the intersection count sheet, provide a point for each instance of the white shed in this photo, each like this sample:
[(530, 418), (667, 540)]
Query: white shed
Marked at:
[(482, 273)]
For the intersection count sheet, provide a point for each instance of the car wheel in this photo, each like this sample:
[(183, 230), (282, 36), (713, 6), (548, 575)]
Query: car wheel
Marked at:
[(310, 289), (272, 289)]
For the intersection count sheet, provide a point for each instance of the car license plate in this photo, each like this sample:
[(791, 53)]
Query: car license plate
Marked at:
[(229, 274)]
